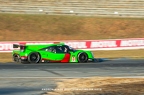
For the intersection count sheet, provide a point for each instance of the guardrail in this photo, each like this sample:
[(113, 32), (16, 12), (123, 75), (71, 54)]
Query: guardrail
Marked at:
[(109, 44), (118, 8)]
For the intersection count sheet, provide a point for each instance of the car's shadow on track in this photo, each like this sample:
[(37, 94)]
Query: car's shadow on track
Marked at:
[(101, 59)]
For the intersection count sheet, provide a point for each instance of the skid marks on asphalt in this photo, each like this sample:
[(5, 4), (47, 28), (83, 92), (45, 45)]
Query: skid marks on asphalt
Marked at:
[(50, 71)]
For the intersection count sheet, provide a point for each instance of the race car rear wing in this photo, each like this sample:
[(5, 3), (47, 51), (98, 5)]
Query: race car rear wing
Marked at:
[(18, 47)]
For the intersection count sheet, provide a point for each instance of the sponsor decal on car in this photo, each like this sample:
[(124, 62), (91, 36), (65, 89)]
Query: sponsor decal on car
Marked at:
[(73, 59)]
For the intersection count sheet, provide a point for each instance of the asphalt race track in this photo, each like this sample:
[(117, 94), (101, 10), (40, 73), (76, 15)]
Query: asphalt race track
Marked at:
[(114, 68), (29, 79)]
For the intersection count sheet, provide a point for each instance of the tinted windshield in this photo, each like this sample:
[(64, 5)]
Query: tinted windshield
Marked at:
[(72, 49)]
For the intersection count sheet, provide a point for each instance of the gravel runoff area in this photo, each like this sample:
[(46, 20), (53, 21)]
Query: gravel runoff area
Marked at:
[(99, 86)]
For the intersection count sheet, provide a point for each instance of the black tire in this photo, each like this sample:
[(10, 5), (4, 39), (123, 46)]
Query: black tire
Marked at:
[(82, 57), (34, 57), (16, 58)]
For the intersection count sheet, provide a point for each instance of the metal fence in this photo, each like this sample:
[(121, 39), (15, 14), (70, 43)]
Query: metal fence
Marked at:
[(113, 8)]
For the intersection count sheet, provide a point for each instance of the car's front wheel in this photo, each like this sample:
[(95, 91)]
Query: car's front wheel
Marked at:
[(82, 57), (16, 58), (34, 57)]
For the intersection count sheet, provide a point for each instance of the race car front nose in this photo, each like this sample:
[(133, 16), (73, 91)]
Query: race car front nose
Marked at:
[(23, 57)]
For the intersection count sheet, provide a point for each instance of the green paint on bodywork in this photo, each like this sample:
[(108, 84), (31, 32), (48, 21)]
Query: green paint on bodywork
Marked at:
[(74, 55), (51, 55)]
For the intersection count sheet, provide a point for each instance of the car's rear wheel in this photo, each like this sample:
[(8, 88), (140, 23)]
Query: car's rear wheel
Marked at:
[(82, 57), (34, 57)]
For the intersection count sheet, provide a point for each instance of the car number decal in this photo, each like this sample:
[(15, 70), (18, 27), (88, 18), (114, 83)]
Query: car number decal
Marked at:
[(73, 59)]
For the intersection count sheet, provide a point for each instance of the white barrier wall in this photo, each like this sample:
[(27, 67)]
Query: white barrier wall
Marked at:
[(110, 44)]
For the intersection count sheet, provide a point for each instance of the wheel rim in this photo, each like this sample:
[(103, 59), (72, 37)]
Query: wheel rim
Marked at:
[(34, 58), (82, 57), (16, 58)]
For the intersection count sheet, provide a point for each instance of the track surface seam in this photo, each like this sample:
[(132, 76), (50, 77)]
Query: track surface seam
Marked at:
[(52, 72)]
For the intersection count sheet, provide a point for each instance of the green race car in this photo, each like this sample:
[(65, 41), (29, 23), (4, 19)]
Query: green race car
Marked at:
[(58, 52)]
